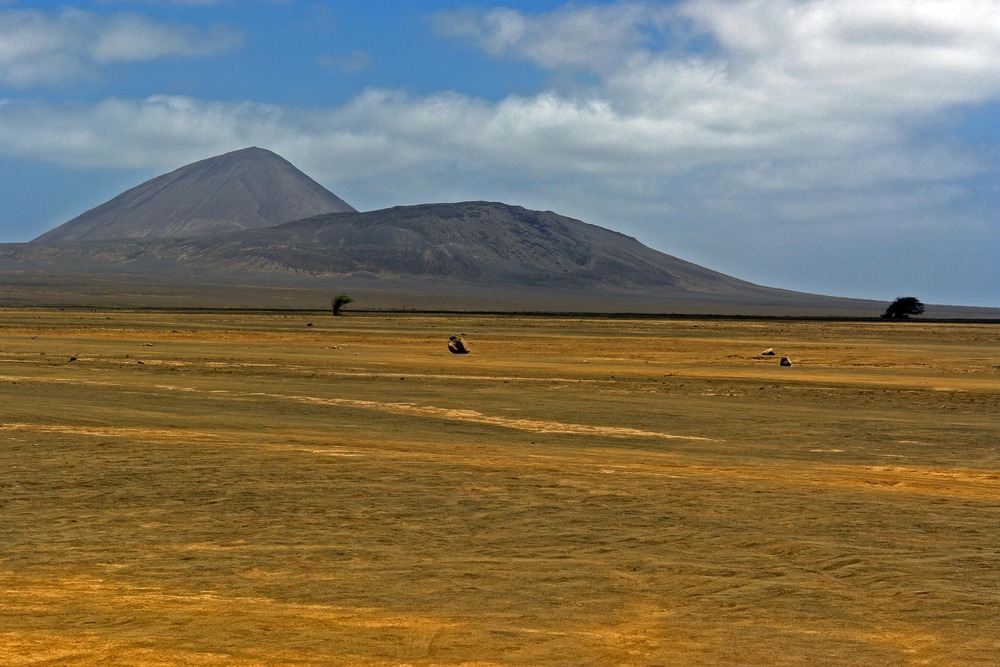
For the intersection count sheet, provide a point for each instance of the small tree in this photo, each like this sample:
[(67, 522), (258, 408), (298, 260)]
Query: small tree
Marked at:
[(903, 307), (339, 302)]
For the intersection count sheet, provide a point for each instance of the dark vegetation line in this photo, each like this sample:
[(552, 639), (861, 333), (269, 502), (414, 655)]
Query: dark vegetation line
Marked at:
[(511, 313)]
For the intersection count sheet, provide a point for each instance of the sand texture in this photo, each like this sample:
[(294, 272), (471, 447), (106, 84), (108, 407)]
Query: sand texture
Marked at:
[(239, 488)]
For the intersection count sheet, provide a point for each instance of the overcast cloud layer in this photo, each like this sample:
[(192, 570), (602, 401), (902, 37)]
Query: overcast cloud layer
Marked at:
[(806, 144)]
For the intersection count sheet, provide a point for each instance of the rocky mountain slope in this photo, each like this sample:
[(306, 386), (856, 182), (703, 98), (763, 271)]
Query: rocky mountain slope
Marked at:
[(476, 242), (467, 252), (245, 189)]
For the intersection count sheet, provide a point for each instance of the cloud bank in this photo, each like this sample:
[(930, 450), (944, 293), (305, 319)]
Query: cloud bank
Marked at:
[(635, 85)]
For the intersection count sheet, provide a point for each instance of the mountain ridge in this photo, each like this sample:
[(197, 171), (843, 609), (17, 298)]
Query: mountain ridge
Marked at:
[(196, 234), (441, 254), (480, 240)]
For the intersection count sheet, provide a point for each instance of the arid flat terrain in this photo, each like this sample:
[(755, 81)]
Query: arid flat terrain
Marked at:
[(241, 488)]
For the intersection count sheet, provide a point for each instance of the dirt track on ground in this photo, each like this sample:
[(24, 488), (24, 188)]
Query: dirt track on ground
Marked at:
[(241, 488)]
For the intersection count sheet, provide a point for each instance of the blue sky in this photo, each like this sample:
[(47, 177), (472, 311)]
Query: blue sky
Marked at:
[(836, 146)]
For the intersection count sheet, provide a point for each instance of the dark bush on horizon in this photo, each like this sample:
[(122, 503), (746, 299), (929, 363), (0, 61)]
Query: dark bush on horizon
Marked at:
[(903, 307), (339, 302)]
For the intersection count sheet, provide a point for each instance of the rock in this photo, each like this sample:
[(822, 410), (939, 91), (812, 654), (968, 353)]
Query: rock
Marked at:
[(457, 345), (769, 352), (785, 361)]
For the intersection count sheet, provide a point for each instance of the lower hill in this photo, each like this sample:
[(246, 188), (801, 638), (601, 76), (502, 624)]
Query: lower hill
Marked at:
[(479, 243), (461, 256)]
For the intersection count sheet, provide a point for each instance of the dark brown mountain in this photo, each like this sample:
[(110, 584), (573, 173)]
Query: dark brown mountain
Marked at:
[(245, 189)]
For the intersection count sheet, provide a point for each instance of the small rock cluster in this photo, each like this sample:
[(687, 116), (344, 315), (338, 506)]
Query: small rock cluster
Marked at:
[(769, 352)]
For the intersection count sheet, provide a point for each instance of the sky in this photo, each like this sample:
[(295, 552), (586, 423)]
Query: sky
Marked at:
[(844, 147)]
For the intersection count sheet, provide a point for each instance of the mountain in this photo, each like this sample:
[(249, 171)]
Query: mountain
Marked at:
[(478, 242), (248, 229), (466, 255), (245, 189)]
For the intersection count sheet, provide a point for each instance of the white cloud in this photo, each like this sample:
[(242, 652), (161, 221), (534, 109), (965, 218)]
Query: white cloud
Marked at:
[(830, 84), (47, 48), (594, 37), (128, 37), (776, 72), (879, 57)]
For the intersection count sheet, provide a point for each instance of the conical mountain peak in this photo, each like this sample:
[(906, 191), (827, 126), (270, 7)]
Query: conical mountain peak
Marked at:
[(249, 188)]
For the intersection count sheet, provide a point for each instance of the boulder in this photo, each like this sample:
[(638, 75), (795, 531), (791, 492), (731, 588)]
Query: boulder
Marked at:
[(457, 345), (785, 361)]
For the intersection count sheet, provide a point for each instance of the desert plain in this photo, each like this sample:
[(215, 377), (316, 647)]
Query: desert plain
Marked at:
[(290, 488)]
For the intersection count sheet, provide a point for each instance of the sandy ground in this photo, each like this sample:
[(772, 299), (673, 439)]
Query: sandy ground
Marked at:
[(245, 489)]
